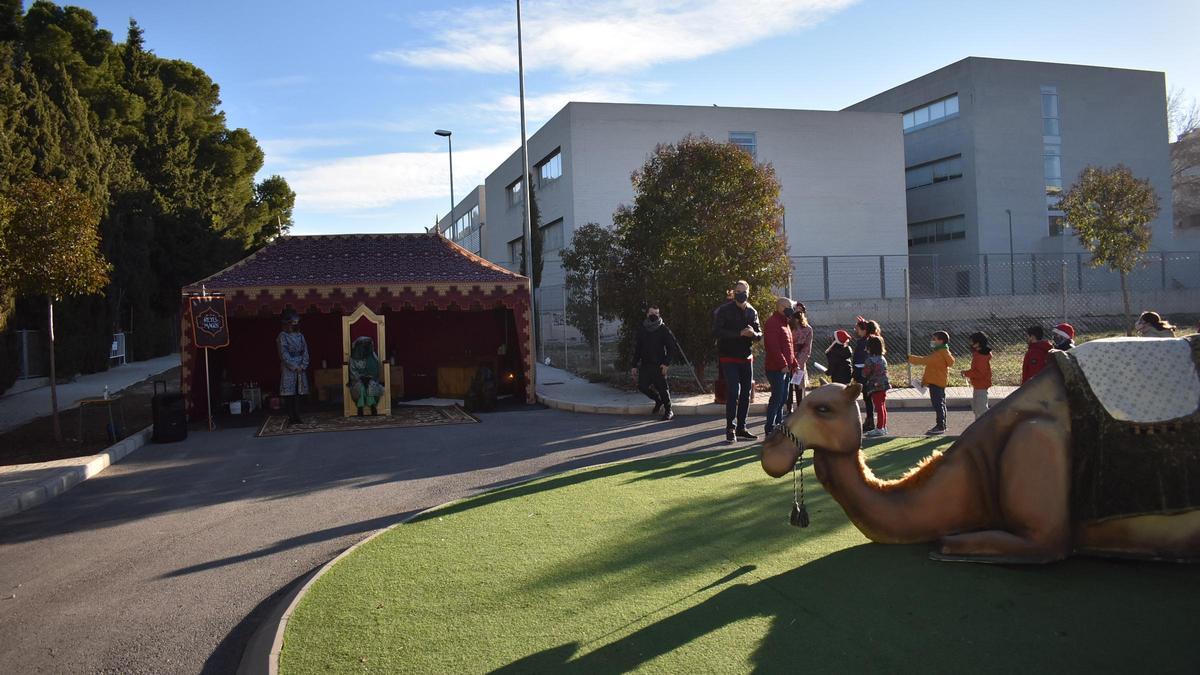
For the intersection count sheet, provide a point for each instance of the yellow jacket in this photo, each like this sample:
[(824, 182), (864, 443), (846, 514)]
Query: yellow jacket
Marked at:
[(937, 366)]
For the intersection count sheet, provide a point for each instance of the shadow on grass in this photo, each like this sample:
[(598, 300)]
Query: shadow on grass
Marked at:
[(693, 464), (706, 525), (876, 608)]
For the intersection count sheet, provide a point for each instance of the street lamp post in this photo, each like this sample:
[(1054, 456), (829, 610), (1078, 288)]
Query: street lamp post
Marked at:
[(527, 243), (1012, 273), (450, 149)]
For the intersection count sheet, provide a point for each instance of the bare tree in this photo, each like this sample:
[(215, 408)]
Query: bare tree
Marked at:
[(1183, 119)]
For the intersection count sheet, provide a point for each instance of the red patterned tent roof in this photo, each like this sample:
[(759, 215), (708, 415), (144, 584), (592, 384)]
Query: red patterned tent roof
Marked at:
[(332, 260)]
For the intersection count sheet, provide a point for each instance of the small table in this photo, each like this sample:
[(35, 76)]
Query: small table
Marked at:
[(102, 402)]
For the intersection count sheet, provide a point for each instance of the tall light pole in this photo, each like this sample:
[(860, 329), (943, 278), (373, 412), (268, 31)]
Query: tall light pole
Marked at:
[(1012, 274), (450, 148), (527, 238)]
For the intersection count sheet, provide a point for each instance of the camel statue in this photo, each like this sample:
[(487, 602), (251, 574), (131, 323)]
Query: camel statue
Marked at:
[(1071, 463)]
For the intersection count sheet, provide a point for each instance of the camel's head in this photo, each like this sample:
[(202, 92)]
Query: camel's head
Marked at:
[(827, 420)]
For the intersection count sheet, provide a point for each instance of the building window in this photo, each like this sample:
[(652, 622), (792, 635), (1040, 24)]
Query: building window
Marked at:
[(1058, 224), (938, 171), (1051, 141), (514, 193), (465, 226), (514, 251), (552, 236), (550, 169), (932, 231), (931, 113), (746, 140)]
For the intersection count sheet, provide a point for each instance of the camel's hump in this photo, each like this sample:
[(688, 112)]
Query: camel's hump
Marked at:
[(1142, 380)]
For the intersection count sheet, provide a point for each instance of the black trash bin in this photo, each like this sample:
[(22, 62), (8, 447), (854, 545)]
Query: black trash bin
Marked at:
[(170, 415)]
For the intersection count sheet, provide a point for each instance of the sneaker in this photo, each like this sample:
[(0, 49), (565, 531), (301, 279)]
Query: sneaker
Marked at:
[(744, 435), (936, 431), (668, 415), (729, 436), (874, 433), (869, 426), (657, 407)]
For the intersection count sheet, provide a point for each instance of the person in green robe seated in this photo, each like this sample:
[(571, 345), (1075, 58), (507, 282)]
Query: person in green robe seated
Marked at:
[(364, 383)]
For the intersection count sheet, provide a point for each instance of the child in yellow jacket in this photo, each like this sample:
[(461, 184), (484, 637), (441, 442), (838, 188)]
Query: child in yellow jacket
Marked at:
[(936, 376)]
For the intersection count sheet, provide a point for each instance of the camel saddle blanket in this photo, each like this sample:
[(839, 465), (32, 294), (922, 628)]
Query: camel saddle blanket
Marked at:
[(1135, 426)]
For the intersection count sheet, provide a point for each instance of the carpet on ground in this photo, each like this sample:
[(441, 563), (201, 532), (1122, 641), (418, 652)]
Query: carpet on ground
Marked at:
[(402, 416)]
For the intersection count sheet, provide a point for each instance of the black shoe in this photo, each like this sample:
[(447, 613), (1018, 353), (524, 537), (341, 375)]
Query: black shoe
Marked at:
[(936, 431), (744, 435), (869, 426), (767, 430), (729, 436), (668, 415), (657, 407)]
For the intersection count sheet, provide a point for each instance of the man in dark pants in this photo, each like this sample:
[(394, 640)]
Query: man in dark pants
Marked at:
[(735, 325), (653, 349)]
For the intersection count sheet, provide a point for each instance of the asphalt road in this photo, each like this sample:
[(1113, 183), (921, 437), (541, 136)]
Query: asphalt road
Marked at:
[(168, 561)]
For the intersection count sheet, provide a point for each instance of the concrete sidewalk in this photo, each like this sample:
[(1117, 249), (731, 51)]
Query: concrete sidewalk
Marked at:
[(17, 409), (557, 388)]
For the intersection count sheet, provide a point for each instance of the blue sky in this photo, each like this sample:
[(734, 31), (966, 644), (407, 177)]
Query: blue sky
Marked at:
[(344, 97)]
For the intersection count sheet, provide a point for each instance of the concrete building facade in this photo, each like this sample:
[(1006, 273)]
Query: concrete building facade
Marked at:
[(841, 175), (986, 140), (465, 224)]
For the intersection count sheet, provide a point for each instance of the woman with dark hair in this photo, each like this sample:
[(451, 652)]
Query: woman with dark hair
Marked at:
[(1151, 324)]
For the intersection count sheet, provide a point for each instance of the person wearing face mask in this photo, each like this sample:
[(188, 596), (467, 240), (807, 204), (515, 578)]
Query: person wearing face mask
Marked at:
[(736, 328), (1064, 337), (780, 360), (293, 361), (936, 376), (654, 347)]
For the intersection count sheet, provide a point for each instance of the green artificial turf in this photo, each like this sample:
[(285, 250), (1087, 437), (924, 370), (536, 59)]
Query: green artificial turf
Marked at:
[(687, 564)]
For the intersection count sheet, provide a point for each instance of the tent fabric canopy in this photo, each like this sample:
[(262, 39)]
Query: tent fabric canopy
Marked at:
[(391, 274)]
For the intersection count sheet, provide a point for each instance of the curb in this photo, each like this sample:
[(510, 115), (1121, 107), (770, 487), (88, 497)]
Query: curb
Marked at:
[(264, 647), (714, 409), (67, 478)]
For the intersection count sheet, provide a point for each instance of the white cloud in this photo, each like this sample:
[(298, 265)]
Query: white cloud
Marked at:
[(605, 36), (542, 107), (378, 181), (281, 151)]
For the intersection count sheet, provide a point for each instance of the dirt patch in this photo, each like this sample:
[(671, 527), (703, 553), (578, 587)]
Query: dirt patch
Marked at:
[(34, 441)]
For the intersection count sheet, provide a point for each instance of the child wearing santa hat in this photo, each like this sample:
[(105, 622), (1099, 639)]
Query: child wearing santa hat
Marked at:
[(1064, 337), (839, 356)]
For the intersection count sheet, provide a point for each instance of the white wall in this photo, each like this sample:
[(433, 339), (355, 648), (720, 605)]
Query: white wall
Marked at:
[(841, 173)]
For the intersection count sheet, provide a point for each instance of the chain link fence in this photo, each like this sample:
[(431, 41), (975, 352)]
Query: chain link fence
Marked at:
[(913, 296)]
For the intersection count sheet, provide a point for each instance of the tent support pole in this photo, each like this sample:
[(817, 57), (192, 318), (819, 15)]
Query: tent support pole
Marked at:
[(208, 390)]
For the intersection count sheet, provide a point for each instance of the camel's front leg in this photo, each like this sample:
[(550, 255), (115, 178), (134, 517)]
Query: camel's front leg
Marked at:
[(1034, 490)]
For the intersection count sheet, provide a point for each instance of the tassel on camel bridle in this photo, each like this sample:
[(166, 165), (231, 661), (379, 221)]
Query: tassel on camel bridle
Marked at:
[(799, 515)]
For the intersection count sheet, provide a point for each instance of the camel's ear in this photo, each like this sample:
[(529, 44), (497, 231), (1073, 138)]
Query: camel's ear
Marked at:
[(852, 391)]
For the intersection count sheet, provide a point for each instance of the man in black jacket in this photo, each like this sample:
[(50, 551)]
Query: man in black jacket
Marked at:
[(735, 325), (653, 349)]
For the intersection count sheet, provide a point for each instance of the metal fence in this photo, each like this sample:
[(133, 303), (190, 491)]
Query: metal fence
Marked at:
[(912, 296)]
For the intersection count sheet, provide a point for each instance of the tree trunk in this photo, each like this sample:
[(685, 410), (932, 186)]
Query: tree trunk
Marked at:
[(1128, 314), (53, 377)]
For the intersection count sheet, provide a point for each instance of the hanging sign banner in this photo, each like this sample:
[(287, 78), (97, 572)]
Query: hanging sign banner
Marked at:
[(210, 325)]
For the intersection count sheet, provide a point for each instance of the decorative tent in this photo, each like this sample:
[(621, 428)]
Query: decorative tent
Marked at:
[(447, 312)]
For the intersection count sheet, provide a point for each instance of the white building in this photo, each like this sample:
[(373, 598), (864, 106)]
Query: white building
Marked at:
[(464, 225), (841, 177)]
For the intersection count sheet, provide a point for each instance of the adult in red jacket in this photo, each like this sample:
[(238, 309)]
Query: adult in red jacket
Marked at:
[(781, 360), (1037, 355)]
